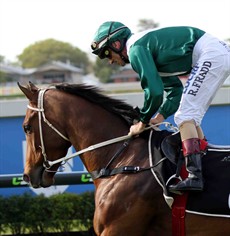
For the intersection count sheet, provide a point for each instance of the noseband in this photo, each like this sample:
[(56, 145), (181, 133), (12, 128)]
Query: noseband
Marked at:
[(41, 116)]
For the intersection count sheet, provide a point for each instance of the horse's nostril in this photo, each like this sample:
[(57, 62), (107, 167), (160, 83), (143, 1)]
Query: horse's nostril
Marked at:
[(26, 178)]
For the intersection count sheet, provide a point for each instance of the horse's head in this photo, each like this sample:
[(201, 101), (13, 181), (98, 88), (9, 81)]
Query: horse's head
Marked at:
[(45, 138)]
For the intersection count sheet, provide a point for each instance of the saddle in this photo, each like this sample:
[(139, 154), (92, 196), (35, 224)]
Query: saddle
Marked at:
[(214, 200), (171, 147)]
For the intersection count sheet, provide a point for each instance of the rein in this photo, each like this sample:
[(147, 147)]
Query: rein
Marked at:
[(41, 116), (105, 143)]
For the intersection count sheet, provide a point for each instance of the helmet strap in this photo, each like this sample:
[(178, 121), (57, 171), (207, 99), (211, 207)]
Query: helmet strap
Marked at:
[(126, 60)]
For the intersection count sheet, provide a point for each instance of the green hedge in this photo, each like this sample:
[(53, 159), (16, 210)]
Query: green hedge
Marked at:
[(39, 214)]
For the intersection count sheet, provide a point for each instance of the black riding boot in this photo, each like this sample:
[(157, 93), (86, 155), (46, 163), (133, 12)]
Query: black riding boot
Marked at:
[(194, 182)]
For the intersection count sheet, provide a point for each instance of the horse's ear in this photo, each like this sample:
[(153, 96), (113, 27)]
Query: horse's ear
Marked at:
[(29, 90), (32, 87)]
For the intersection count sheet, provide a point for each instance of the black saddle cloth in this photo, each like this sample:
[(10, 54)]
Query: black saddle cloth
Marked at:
[(215, 198)]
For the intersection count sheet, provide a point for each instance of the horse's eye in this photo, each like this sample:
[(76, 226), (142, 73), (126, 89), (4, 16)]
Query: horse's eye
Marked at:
[(27, 129)]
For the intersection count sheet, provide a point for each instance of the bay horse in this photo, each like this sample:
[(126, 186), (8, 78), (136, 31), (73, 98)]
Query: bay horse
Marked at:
[(125, 204)]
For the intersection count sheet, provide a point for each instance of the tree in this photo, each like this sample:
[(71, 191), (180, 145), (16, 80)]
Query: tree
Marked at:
[(2, 58), (145, 24), (103, 70), (4, 77), (228, 41), (48, 50)]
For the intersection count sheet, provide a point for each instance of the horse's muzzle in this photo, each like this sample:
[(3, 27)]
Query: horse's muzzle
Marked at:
[(26, 178)]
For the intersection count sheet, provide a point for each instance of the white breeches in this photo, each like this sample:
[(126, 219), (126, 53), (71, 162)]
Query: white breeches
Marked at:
[(211, 67)]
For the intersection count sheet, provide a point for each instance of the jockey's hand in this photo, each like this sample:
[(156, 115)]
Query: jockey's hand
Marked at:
[(157, 119), (137, 128)]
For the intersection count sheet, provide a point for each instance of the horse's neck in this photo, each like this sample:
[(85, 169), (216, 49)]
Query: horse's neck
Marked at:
[(93, 125), (99, 157)]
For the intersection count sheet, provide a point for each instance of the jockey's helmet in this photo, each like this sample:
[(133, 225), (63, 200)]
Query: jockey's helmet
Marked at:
[(108, 33)]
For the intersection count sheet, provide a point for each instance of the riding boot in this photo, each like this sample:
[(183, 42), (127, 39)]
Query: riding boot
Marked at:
[(194, 182)]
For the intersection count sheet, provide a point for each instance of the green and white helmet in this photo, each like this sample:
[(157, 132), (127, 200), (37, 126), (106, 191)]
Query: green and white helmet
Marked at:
[(108, 33)]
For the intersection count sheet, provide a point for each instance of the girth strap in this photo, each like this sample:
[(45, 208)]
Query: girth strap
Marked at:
[(105, 172), (178, 208), (119, 170)]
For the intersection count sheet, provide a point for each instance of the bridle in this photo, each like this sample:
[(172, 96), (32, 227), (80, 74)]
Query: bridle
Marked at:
[(41, 116)]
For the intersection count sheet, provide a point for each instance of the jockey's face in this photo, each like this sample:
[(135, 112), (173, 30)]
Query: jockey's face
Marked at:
[(115, 57)]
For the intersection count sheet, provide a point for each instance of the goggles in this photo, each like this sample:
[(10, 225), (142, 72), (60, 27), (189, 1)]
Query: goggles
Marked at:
[(102, 52)]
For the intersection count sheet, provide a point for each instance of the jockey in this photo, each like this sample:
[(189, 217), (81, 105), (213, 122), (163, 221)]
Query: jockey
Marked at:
[(159, 56)]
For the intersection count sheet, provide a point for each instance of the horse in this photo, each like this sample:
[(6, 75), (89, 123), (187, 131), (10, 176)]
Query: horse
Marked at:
[(128, 201)]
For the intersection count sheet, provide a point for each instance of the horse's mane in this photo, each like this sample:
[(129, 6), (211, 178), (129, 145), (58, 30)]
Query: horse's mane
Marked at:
[(95, 95)]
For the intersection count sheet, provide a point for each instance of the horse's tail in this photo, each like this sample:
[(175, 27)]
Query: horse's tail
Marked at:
[(91, 231)]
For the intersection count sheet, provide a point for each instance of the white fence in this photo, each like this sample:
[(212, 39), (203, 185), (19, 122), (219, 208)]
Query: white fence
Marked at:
[(17, 107)]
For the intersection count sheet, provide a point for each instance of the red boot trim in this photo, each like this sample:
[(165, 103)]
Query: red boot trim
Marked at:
[(191, 146), (203, 145)]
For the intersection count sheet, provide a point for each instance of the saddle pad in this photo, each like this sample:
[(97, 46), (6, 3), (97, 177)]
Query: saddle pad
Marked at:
[(215, 199)]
